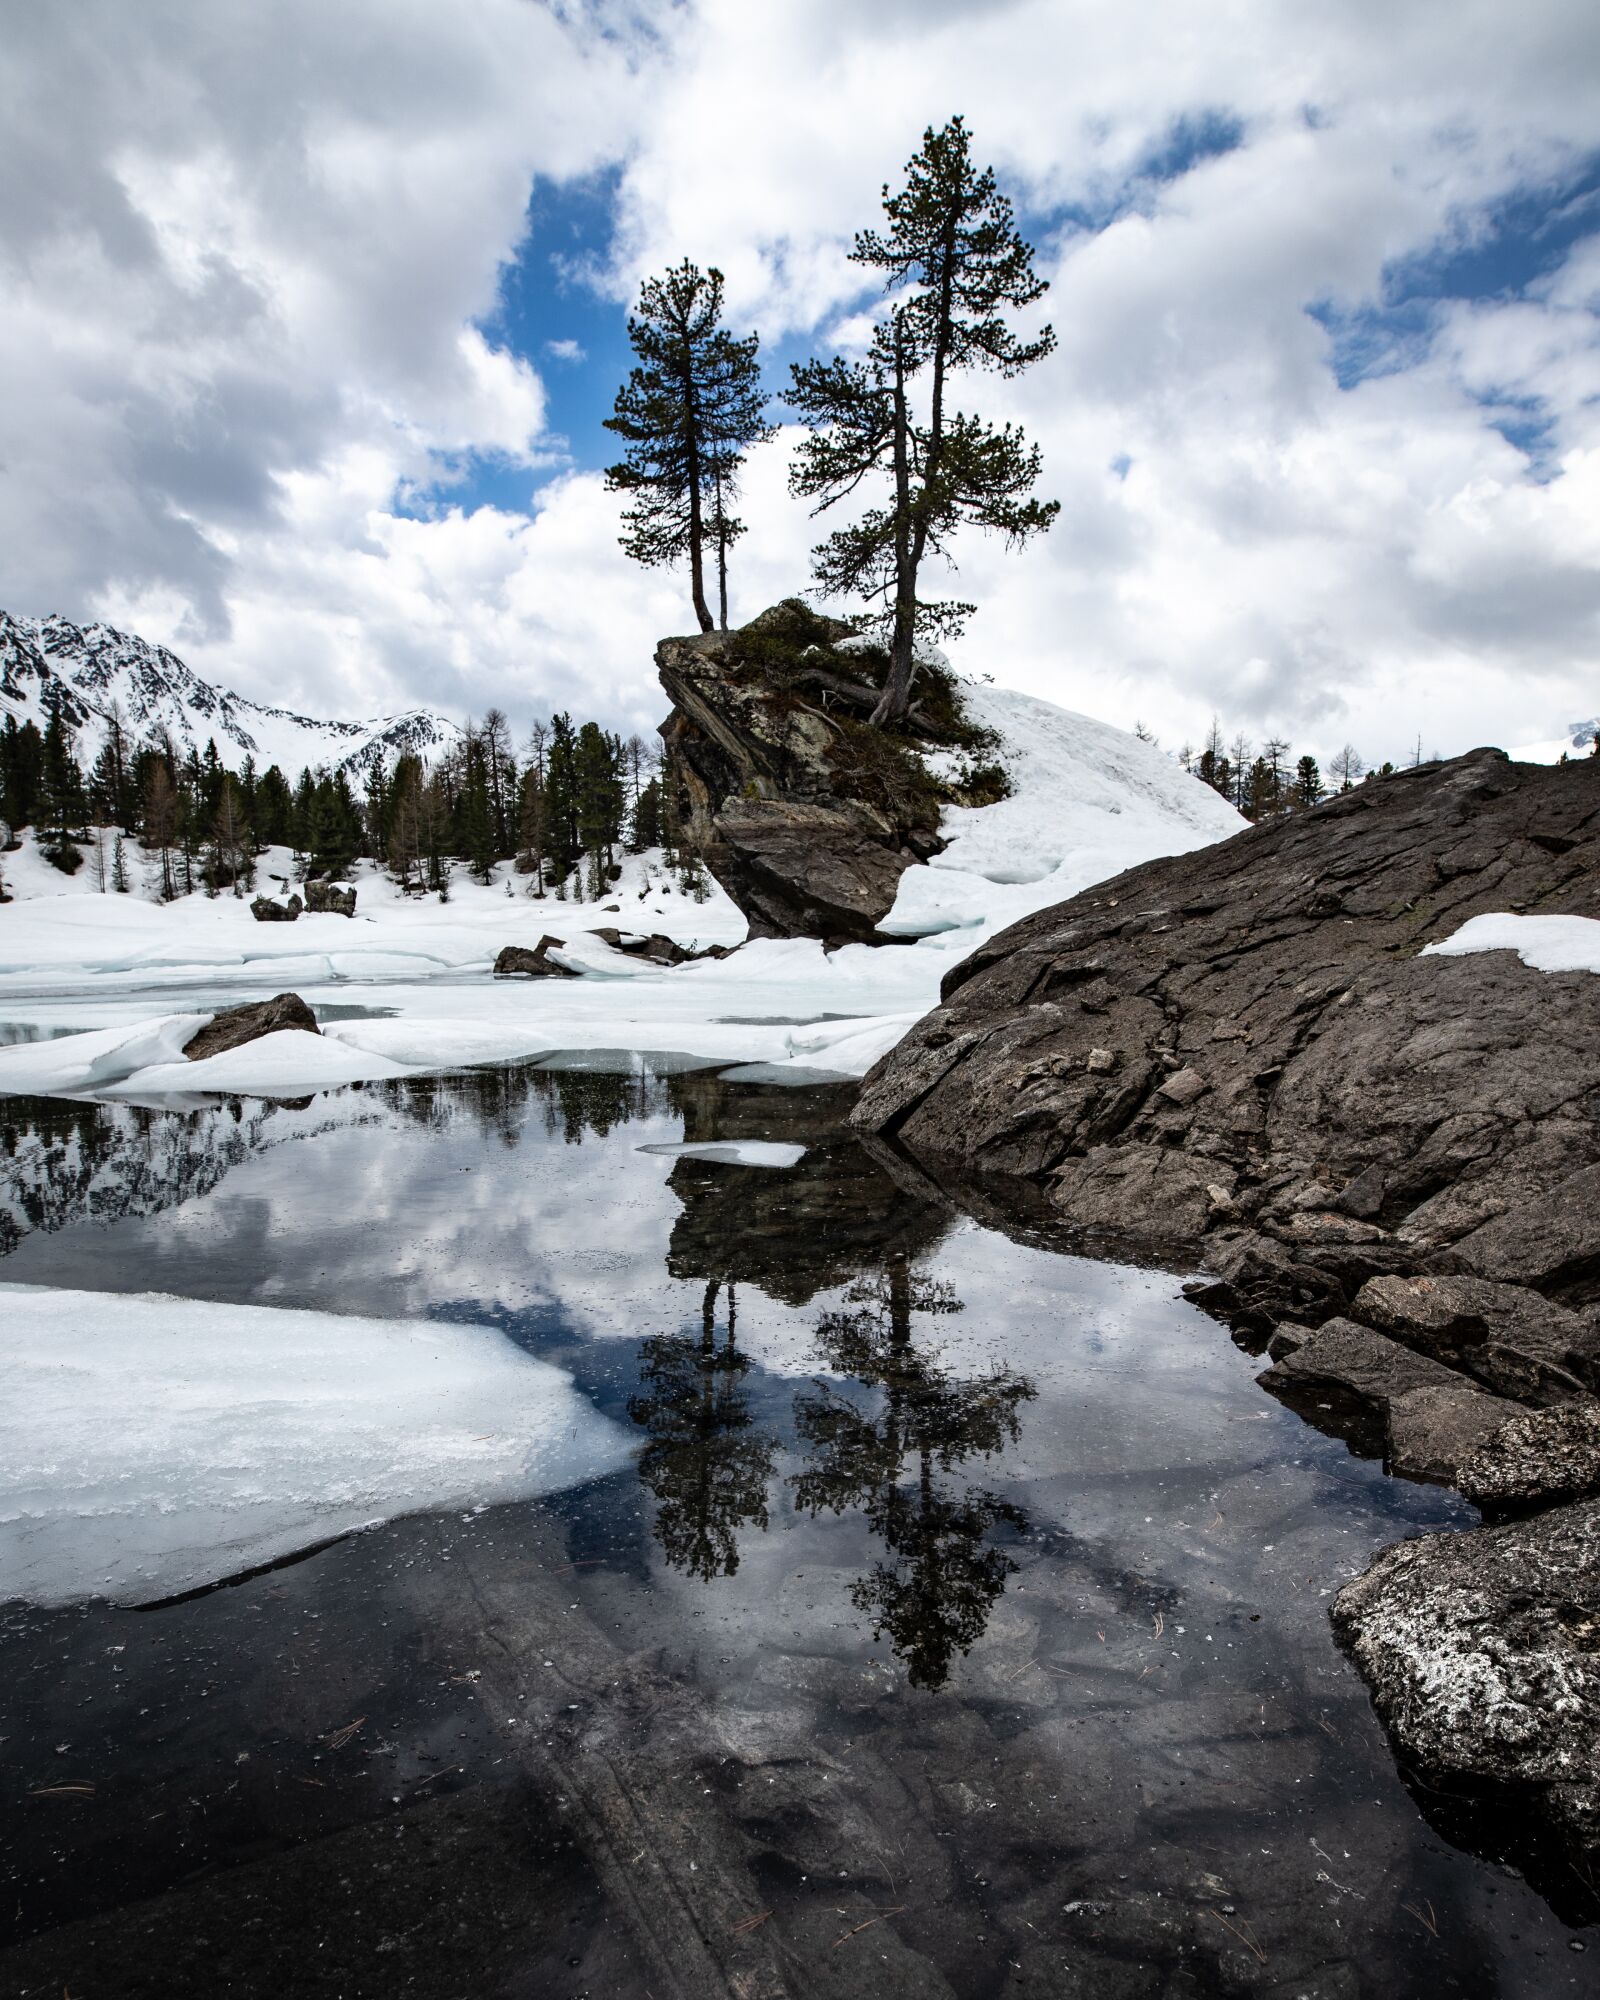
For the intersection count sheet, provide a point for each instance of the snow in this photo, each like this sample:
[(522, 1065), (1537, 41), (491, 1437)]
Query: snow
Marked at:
[(89, 669), (1576, 741), (1547, 944), (151, 1445), (1088, 802), (736, 1152)]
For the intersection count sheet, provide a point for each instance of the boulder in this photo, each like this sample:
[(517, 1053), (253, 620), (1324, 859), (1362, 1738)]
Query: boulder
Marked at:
[(516, 960), (1434, 1430), (1537, 1458), (1366, 1367), (235, 1026), (660, 950), (1510, 1338), (804, 814), (266, 911), (329, 899), (1298, 1096), (1482, 1654)]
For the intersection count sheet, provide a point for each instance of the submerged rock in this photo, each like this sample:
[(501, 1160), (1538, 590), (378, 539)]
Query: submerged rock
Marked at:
[(235, 1026), (1482, 1651), (329, 899), (516, 960), (266, 911)]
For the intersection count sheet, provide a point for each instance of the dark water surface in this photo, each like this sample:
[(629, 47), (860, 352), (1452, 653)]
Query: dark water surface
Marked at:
[(955, 1625)]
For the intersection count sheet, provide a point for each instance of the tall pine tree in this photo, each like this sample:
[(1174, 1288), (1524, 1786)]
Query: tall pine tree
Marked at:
[(953, 265)]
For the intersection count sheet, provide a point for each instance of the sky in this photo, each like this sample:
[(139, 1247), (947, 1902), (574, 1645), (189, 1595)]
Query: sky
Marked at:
[(314, 313)]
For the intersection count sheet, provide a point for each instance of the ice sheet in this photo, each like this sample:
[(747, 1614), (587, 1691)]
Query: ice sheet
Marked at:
[(151, 1445)]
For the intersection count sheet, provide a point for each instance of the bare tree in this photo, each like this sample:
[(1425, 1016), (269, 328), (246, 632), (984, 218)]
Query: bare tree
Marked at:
[(1347, 767)]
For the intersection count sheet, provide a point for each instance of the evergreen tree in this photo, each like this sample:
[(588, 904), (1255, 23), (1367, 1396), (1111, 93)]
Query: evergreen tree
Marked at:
[(647, 818), (561, 790), (1307, 782), (687, 414), (533, 806), (477, 840), (274, 819), (953, 263), (21, 771)]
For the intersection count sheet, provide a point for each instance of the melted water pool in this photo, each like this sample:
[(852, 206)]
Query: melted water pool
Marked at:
[(957, 1624)]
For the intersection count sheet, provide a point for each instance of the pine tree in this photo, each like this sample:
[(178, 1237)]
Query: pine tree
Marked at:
[(533, 806), (953, 263), (561, 790), (1307, 781), (687, 414)]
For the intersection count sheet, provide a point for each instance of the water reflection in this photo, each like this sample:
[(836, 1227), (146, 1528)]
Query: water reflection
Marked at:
[(705, 1463), (932, 1595)]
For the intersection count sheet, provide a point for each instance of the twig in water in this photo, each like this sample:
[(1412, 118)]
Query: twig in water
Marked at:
[(336, 1739), (69, 1788), (1429, 1922), (1244, 1933), (750, 1924), (845, 1936)]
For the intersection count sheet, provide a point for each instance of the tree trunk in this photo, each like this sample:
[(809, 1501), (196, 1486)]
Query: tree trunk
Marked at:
[(896, 696), (697, 526)]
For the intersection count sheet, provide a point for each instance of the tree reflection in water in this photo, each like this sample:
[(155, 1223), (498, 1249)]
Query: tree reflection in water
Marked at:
[(931, 1598), (706, 1466)]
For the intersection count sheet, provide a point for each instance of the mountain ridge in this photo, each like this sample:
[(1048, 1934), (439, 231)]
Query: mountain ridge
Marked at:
[(86, 670)]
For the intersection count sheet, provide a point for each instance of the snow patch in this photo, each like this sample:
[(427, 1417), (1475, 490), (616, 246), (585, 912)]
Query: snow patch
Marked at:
[(1547, 944)]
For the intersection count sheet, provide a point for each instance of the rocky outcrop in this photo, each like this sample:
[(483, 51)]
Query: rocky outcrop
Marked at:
[(266, 911), (517, 961), (1482, 1651), (235, 1026), (329, 899), (1239, 1055), (807, 816), (1390, 1164)]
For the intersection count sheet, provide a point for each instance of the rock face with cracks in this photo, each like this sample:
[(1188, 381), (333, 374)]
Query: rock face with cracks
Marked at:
[(1389, 1161), (806, 816)]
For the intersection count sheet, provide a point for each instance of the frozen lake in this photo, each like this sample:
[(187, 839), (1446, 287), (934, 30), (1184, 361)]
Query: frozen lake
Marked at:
[(581, 1531)]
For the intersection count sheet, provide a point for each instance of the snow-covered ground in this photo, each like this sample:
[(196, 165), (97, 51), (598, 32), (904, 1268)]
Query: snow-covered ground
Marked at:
[(1088, 802), (1547, 944), (260, 1430)]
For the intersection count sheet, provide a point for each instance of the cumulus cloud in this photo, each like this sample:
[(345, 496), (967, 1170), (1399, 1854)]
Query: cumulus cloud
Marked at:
[(251, 401)]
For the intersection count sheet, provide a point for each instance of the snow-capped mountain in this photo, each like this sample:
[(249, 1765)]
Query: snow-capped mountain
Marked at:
[(89, 669)]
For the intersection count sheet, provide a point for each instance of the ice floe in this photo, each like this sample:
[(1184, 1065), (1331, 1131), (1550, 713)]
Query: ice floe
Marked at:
[(152, 1445)]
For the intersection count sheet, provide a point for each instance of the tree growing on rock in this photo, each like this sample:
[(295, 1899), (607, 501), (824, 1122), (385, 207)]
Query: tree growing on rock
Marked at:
[(954, 266), (687, 415)]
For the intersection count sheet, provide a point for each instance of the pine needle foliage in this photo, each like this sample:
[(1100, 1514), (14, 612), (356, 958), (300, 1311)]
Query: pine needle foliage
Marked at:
[(953, 268), (687, 414)]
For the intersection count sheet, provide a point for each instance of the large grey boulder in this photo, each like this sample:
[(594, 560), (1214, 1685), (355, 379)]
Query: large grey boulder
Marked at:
[(1292, 1086), (805, 816), (266, 911), (1482, 1652), (235, 1026)]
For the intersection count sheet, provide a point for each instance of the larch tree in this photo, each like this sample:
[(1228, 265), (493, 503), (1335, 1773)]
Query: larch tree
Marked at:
[(687, 414), (953, 267)]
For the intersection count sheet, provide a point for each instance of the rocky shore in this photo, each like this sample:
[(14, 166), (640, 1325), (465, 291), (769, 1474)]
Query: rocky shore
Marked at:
[(1386, 1160)]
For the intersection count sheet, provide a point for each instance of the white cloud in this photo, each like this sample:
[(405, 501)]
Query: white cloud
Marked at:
[(243, 270)]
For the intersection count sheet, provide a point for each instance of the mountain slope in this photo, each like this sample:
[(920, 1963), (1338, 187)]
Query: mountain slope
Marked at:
[(90, 669)]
